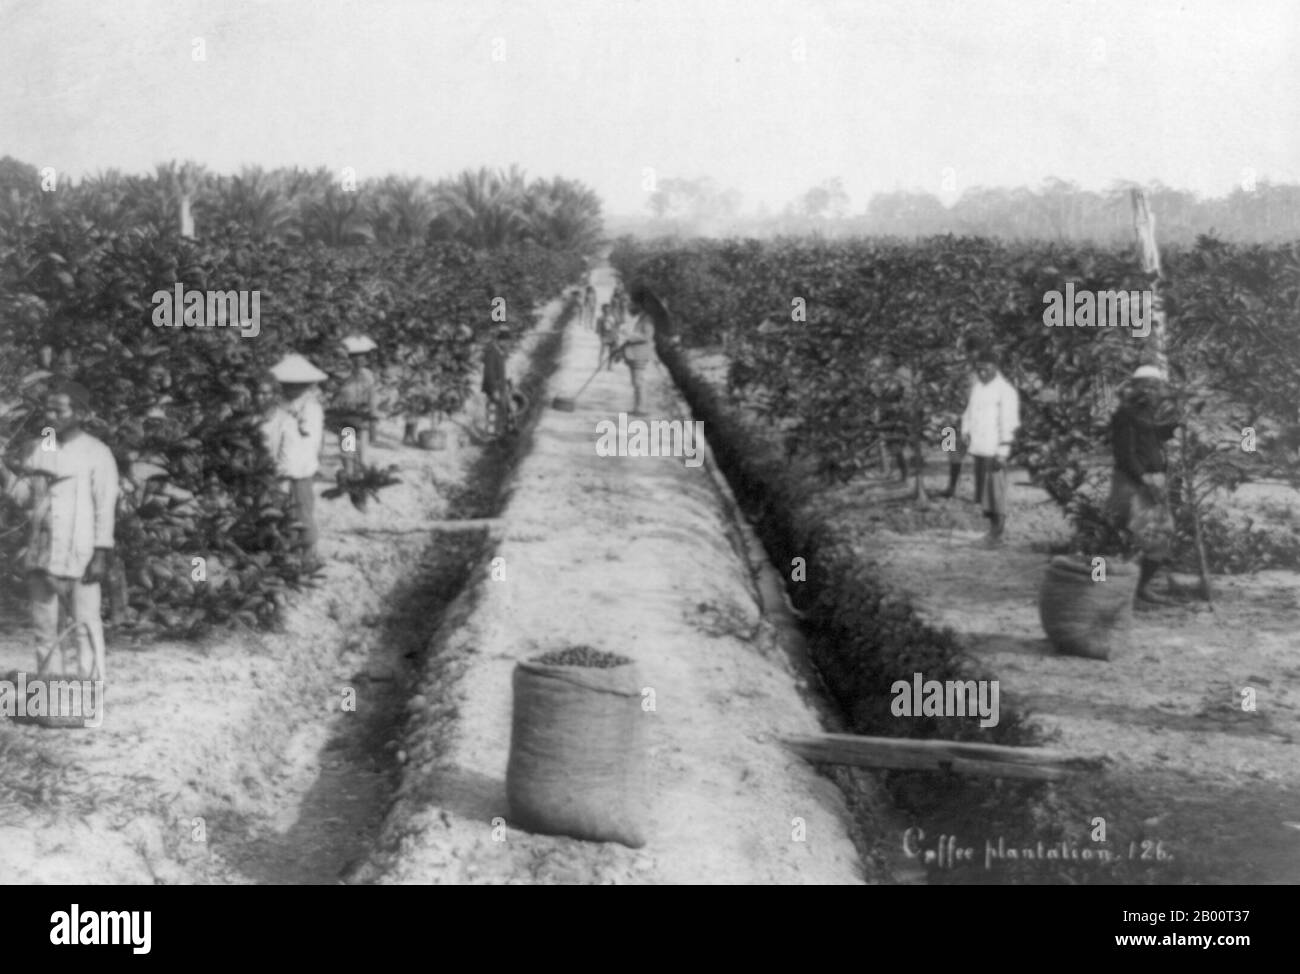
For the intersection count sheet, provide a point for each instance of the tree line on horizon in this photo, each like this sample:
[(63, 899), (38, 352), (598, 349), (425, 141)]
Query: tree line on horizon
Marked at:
[(1265, 212), (484, 208)]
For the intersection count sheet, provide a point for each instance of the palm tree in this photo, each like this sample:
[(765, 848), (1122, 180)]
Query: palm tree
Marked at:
[(335, 216), (563, 214), (256, 201), (401, 210), (483, 209), (170, 197)]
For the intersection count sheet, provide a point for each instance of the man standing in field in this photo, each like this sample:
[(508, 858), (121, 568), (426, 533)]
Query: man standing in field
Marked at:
[(295, 432), (496, 383), (988, 429), (1139, 499), (602, 325), (895, 413), (610, 338), (957, 456), (356, 406), (69, 480), (649, 313), (618, 301)]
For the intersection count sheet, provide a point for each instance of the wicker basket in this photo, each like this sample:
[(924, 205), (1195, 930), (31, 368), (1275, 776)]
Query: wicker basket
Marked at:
[(1083, 617)]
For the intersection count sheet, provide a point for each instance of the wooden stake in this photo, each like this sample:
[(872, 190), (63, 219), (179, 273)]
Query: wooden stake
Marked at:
[(1144, 223), (991, 760)]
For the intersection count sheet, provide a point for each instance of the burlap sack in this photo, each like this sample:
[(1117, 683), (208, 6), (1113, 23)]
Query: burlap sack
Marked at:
[(577, 753)]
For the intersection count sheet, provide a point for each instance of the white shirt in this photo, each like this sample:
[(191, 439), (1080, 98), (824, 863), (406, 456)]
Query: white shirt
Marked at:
[(294, 433), (72, 511), (992, 416)]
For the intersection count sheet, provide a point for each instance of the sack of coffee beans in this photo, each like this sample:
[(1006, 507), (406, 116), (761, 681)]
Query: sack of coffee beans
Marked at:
[(577, 747)]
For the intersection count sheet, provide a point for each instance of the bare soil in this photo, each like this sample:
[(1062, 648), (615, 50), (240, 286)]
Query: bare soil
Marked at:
[(1213, 788), (629, 555), (232, 760)]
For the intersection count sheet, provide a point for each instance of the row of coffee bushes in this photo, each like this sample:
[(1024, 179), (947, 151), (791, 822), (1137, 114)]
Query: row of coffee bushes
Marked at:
[(187, 398), (863, 636), (842, 344)]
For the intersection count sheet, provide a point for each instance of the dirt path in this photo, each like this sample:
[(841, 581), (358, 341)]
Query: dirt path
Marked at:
[(629, 555), (231, 761)]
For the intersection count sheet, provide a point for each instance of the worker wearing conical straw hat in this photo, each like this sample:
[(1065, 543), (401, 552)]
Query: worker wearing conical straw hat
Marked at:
[(294, 432)]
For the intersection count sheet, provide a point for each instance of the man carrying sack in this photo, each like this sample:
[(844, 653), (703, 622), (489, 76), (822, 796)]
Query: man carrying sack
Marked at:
[(988, 429), (1139, 498), (69, 481), (294, 434)]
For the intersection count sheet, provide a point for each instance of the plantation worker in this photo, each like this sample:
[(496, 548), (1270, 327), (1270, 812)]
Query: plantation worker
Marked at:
[(957, 456), (895, 407), (496, 384), (989, 427), (609, 337), (637, 347), (602, 323), (68, 479), (356, 405), (1139, 499), (295, 432)]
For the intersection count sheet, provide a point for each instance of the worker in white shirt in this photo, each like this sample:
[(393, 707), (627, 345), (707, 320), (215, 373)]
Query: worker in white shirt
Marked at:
[(68, 479), (294, 433), (988, 430)]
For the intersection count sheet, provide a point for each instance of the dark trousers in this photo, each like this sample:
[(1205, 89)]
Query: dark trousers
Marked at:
[(302, 508), (991, 486)]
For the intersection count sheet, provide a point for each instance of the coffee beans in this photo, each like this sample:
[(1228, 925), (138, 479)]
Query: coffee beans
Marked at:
[(582, 656)]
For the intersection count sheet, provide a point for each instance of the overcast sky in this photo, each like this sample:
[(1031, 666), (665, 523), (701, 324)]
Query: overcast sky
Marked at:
[(767, 96)]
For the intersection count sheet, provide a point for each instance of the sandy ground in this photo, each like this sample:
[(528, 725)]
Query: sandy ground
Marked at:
[(231, 760), (1216, 786), (630, 555)]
